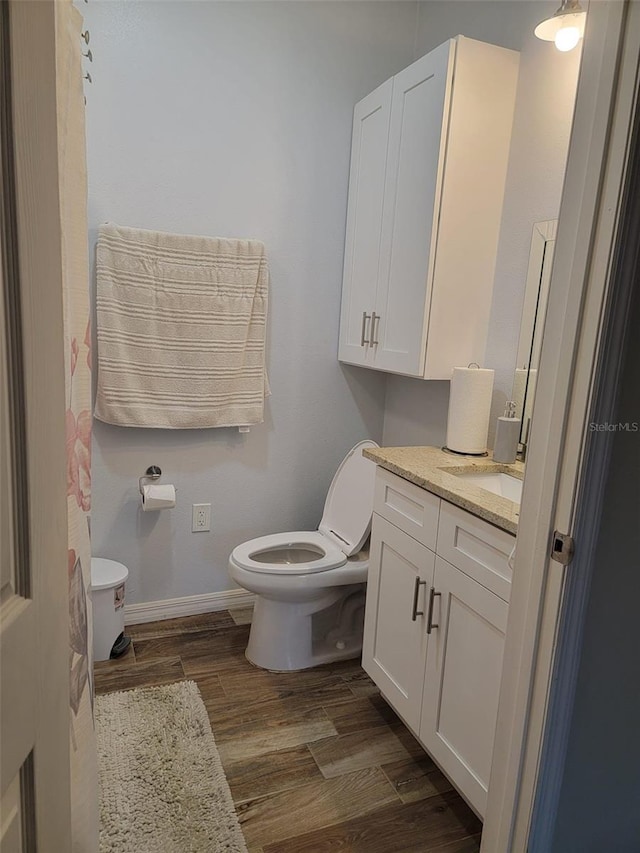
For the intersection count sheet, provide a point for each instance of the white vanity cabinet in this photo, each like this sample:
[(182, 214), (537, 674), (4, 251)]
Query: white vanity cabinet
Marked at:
[(428, 166), (434, 629)]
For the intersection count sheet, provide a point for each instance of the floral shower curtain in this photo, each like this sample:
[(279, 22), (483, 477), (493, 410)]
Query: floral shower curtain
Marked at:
[(75, 260)]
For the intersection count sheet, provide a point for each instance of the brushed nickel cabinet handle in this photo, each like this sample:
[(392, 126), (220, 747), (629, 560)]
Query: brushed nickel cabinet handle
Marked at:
[(430, 622), (374, 330), (364, 340), (416, 590)]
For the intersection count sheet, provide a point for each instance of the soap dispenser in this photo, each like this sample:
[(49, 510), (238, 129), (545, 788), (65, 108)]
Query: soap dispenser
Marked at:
[(507, 435)]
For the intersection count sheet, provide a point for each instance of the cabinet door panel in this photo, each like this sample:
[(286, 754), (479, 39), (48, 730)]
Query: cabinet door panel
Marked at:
[(395, 645), (364, 223), (462, 681), (417, 138)]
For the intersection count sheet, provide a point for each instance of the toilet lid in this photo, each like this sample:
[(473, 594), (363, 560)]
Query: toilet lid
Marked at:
[(301, 552), (107, 573), (346, 519)]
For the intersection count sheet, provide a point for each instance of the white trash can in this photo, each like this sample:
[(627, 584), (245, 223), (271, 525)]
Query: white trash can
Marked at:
[(107, 595)]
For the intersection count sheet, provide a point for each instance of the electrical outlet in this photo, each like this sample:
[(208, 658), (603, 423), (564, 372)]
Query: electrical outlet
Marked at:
[(200, 518)]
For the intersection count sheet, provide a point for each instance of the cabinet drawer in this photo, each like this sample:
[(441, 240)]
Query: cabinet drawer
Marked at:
[(477, 548), (412, 509)]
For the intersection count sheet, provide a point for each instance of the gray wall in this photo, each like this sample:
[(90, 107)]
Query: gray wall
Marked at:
[(599, 807), (416, 411), (234, 119)]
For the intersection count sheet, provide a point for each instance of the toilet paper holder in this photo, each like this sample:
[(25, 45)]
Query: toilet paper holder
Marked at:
[(153, 472)]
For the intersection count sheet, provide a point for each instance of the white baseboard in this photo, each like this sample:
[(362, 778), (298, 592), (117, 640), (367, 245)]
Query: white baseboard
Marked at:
[(190, 605)]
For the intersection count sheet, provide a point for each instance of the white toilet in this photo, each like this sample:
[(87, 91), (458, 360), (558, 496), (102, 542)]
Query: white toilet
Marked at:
[(310, 585)]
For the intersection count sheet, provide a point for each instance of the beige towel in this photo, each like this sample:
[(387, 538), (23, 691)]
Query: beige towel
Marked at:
[(181, 329)]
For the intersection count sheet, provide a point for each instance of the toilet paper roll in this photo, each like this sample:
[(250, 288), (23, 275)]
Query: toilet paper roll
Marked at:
[(469, 409), (158, 496)]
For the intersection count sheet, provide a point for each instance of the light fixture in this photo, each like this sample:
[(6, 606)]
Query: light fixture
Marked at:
[(565, 27)]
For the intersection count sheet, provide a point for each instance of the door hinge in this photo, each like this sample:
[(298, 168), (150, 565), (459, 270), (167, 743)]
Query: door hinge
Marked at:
[(562, 548)]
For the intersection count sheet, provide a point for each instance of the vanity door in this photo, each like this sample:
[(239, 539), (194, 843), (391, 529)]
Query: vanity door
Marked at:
[(462, 680), (395, 638)]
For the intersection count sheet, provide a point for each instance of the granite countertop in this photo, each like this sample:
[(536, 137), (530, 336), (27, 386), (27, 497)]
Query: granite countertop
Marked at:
[(434, 469)]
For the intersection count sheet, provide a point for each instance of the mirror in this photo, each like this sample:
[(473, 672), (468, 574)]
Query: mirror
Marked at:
[(532, 324)]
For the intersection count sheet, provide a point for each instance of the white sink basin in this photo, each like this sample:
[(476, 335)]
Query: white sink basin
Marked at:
[(500, 484)]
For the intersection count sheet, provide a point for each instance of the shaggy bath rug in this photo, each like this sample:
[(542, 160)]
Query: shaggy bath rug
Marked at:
[(162, 786)]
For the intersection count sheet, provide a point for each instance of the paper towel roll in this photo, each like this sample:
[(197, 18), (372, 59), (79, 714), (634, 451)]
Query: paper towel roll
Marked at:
[(158, 497), (469, 409)]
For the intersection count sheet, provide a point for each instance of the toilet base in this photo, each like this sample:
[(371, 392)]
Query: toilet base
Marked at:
[(351, 655), (329, 628)]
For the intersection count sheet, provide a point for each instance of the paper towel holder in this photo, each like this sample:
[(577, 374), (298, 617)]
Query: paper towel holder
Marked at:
[(153, 472)]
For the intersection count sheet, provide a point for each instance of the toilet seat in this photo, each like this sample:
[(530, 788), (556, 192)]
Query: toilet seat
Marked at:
[(344, 528), (321, 553)]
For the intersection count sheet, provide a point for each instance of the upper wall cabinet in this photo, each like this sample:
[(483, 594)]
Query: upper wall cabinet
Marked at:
[(428, 166)]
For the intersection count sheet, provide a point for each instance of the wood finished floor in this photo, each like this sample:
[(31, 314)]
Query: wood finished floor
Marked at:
[(316, 760)]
